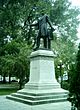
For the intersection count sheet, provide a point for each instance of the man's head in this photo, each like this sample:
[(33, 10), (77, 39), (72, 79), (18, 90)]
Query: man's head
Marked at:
[(42, 12)]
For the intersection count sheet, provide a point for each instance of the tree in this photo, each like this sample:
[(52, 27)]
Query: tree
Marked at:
[(65, 18), (22, 65), (16, 61), (75, 82), (7, 63), (66, 52)]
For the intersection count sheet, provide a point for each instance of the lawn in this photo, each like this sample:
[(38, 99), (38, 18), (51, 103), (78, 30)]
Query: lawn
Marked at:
[(6, 89)]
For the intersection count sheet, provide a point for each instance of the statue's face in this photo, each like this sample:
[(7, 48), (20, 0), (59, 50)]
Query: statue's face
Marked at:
[(42, 13)]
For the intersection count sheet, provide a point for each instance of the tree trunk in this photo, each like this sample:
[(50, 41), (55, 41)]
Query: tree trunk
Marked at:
[(9, 78), (20, 84), (4, 78)]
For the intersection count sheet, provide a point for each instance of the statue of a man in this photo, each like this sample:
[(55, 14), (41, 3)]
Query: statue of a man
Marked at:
[(43, 31)]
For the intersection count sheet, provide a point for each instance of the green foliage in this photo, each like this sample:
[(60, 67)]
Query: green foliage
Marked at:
[(65, 18), (21, 65), (66, 52), (75, 82), (16, 61), (12, 48), (65, 85)]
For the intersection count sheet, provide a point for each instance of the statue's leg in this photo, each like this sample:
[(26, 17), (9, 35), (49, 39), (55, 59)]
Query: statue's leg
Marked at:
[(45, 42), (38, 42), (49, 43)]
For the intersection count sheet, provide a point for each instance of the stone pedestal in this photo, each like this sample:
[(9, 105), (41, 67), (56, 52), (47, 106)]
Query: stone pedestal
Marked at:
[(42, 72), (42, 87)]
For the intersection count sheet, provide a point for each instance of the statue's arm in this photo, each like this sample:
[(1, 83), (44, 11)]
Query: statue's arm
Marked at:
[(35, 24), (50, 23)]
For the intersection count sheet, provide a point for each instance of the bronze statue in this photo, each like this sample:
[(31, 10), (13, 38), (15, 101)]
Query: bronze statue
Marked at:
[(43, 31)]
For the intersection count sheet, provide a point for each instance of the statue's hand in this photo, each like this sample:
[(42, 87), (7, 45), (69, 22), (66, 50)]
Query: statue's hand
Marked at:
[(26, 23), (52, 29)]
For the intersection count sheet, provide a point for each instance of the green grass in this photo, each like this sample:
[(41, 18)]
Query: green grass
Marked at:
[(7, 91)]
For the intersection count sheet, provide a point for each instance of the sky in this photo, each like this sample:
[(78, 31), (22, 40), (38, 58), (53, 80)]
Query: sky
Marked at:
[(75, 2)]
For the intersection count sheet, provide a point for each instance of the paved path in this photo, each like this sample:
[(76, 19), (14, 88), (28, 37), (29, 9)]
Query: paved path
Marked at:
[(6, 104)]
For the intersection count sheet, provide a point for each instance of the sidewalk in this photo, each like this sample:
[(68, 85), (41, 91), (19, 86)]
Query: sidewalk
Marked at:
[(6, 104)]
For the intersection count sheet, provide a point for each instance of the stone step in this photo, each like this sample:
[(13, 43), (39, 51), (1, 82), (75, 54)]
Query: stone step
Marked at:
[(29, 97), (37, 102), (42, 93)]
